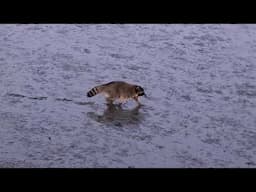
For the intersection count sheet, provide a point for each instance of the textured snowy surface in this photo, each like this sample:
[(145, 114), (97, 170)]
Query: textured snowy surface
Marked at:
[(200, 80)]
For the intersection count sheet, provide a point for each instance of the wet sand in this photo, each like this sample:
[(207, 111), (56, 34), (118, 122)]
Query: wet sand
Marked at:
[(200, 80)]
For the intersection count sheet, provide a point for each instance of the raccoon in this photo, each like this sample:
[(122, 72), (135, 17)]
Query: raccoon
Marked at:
[(118, 90)]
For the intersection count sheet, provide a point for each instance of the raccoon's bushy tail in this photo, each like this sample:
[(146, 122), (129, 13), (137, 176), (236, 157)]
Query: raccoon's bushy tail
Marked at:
[(94, 91)]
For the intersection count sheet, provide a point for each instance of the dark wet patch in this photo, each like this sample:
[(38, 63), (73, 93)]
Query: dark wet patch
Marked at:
[(23, 96), (83, 67), (63, 99), (16, 95), (199, 43), (218, 91), (204, 89), (246, 89), (36, 28), (225, 121), (190, 37), (194, 119), (211, 141), (251, 163), (14, 100), (210, 38), (62, 31), (83, 103), (68, 67), (189, 160), (119, 56), (145, 138), (179, 52), (137, 68), (13, 120), (186, 97), (146, 46), (134, 68), (13, 163), (249, 139), (159, 146), (118, 124), (38, 98), (227, 98), (86, 50), (82, 50)]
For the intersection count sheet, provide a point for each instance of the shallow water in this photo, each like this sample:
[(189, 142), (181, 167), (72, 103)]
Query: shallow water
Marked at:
[(200, 80)]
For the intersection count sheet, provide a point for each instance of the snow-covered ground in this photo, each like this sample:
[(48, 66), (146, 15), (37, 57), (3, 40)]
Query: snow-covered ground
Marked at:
[(200, 80)]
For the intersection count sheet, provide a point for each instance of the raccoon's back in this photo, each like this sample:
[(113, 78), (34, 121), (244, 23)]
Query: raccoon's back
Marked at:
[(114, 83), (112, 89), (118, 89)]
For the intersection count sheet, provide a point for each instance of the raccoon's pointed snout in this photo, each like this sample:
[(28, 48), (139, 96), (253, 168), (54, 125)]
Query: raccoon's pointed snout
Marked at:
[(141, 94)]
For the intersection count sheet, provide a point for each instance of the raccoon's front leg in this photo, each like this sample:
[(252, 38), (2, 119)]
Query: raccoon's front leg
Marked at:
[(122, 101), (137, 100)]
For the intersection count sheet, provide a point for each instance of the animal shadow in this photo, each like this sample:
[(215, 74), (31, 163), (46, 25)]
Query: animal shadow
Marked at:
[(117, 116)]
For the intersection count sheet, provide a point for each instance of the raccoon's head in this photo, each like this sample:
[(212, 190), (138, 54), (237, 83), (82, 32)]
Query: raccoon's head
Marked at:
[(139, 90)]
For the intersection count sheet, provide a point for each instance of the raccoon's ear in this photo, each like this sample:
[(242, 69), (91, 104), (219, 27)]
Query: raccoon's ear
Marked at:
[(137, 88)]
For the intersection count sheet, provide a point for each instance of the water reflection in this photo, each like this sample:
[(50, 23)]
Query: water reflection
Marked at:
[(116, 115)]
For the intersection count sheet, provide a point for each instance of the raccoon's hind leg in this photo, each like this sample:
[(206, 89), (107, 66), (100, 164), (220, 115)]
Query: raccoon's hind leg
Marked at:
[(109, 101)]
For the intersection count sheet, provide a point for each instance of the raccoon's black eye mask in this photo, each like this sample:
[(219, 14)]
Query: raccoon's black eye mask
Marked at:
[(140, 91)]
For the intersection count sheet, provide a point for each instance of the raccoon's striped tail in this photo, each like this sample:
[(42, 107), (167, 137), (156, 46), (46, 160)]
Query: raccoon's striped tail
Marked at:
[(94, 91)]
